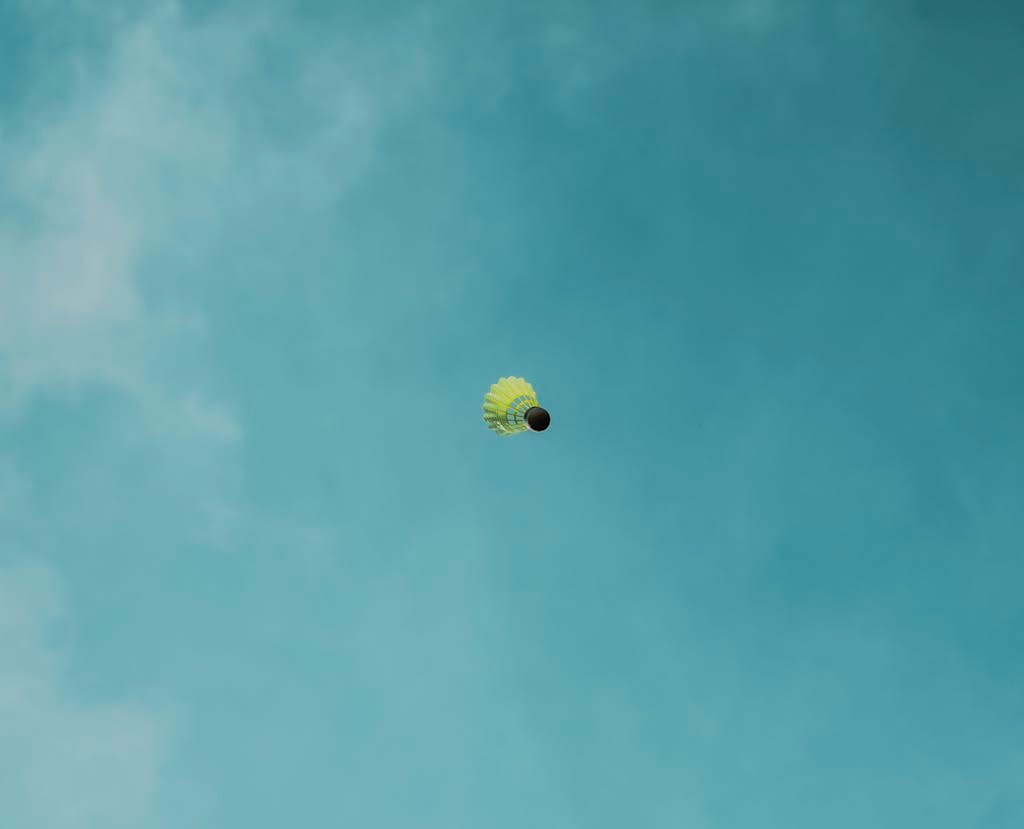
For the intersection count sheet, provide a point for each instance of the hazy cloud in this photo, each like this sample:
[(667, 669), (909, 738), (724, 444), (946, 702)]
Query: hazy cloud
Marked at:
[(152, 153), (65, 762)]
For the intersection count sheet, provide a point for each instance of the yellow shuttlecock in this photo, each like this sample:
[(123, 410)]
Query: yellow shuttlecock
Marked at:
[(511, 406)]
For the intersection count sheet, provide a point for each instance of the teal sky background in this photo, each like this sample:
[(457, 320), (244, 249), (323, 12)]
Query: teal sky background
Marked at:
[(261, 563)]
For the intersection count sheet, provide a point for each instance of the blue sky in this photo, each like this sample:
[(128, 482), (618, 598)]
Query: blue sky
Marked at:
[(261, 563)]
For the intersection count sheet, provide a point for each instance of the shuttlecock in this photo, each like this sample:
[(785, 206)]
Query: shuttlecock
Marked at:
[(511, 406)]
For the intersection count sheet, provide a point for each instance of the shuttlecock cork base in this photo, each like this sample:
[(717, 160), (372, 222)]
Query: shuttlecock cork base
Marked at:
[(537, 419), (511, 407)]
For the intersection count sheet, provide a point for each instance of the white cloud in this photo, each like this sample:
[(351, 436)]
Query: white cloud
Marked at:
[(154, 150), (151, 149), (160, 141), (87, 183), (65, 762), (156, 140)]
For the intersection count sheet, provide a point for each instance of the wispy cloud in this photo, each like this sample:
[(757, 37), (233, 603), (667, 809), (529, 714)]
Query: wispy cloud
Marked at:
[(65, 762), (153, 152), (150, 151), (90, 185), (123, 188)]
